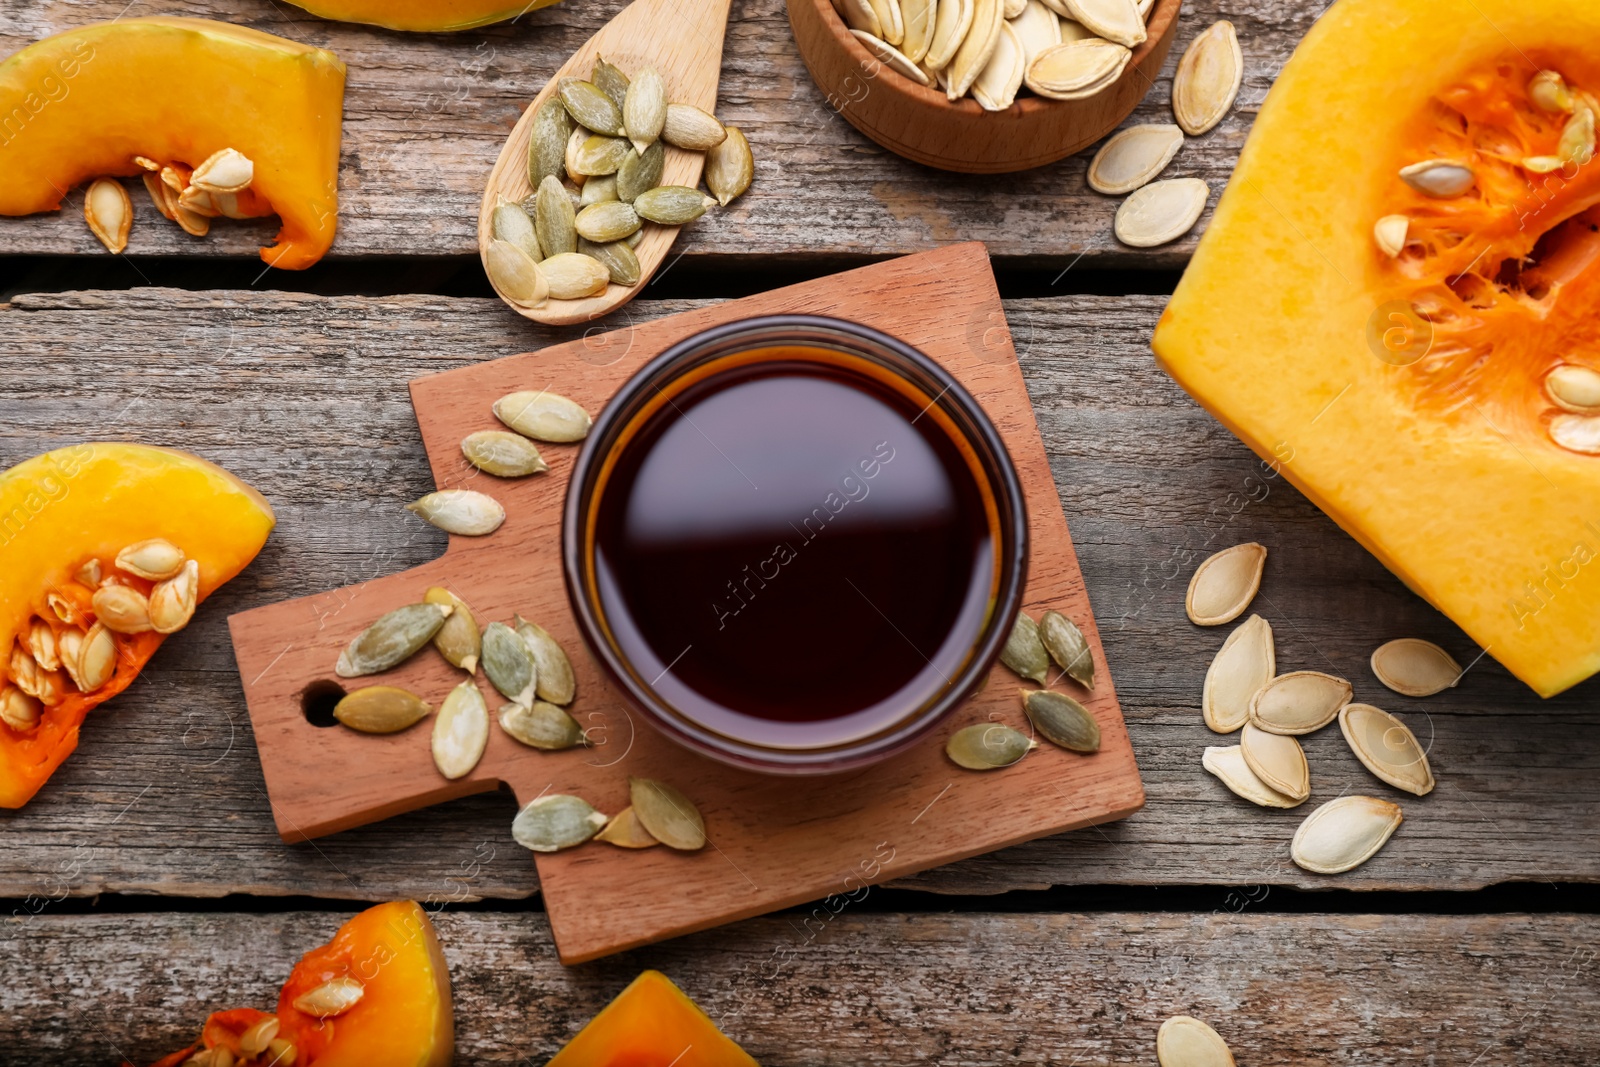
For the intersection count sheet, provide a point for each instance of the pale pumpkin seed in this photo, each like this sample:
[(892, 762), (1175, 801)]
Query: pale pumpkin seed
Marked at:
[(644, 109), (257, 1038), (1391, 232), (556, 682), (543, 416), (381, 709), (598, 190), (1014, 8), (617, 258), (94, 661), (1037, 28), (633, 241), (553, 221), (42, 643), (109, 213), (1386, 747), (1300, 702), (1068, 647), (1224, 584), (1577, 139), (514, 274), (460, 511), (988, 746), (1577, 433), (1071, 67), (172, 602), (674, 205), (1415, 668), (917, 19), (508, 663), (1115, 20), (861, 15), (1062, 720), (1184, 1041), (510, 223), (687, 127), (604, 223), (1442, 179), (891, 57), (1278, 760), (392, 640), (598, 155), (1161, 212), (974, 54), (638, 172), (889, 17), (460, 731), (996, 86), (1543, 164), (668, 815), (154, 560), (626, 831), (575, 143), (1229, 766), (547, 144), (332, 998), (556, 821), (730, 168), (1344, 833), (505, 455), (89, 573), (1574, 388), (458, 640), (1024, 652), (1548, 91), (589, 107), (952, 19), (1246, 661), (1133, 158), (610, 80), (573, 276), (543, 726), (1208, 79), (122, 609)]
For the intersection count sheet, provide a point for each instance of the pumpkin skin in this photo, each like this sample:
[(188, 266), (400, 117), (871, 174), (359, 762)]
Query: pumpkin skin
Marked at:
[(1300, 335), (89, 501), (84, 103), (422, 16), (651, 1024)]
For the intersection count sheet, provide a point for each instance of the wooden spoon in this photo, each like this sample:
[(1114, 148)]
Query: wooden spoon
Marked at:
[(682, 39)]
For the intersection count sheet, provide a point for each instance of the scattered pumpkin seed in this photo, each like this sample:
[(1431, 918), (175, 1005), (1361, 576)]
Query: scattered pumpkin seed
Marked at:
[(1161, 212), (1344, 833), (508, 663), (556, 821), (1224, 584), (381, 709), (1184, 1041), (1133, 158), (543, 726), (510, 223), (392, 640), (154, 560), (1229, 766), (1391, 232), (505, 455), (553, 221), (109, 213), (638, 172), (607, 222), (1574, 388), (1062, 720), (729, 170), (1068, 647), (1386, 747), (610, 80), (1208, 79), (617, 258), (514, 274), (644, 109), (1577, 433), (689, 128), (1278, 760), (122, 609), (1548, 91), (589, 107), (674, 205), (543, 416), (333, 997), (458, 640), (668, 815), (172, 602), (626, 831), (547, 145), (951, 21), (1246, 661), (1024, 652), (598, 190), (1115, 20), (460, 731), (987, 746), (460, 511), (1442, 179), (1299, 702), (552, 669), (573, 276), (1415, 668)]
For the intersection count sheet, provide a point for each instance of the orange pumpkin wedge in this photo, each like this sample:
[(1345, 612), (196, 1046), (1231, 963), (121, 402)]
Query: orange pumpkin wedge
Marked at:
[(104, 549), (1396, 306), (87, 103), (423, 16), (651, 1024)]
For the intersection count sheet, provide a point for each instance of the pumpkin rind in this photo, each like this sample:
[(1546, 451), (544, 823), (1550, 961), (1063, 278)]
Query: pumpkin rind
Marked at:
[(651, 1024), (422, 16)]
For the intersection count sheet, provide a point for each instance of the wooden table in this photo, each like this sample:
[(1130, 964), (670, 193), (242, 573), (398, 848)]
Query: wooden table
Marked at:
[(147, 884)]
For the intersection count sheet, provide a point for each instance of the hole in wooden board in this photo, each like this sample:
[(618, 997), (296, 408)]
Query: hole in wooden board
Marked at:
[(318, 700)]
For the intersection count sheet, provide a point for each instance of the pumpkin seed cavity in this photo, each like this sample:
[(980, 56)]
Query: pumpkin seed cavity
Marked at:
[(1441, 179)]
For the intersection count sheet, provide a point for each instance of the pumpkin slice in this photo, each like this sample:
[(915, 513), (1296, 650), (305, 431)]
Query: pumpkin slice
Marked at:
[(86, 103), (651, 1024), (99, 544), (423, 16), (1395, 305)]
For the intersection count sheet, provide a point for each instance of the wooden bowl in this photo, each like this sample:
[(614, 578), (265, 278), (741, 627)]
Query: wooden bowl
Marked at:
[(919, 123)]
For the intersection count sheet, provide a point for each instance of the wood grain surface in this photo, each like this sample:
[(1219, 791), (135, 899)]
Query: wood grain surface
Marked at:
[(426, 115), (305, 398), (856, 987)]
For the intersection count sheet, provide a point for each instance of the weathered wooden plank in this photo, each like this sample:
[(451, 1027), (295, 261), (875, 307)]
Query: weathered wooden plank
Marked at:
[(304, 397), (957, 990), (425, 116)]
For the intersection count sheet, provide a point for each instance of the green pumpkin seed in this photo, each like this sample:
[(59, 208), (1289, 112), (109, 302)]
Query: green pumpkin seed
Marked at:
[(551, 666), (391, 640), (598, 190), (460, 511), (547, 145), (730, 167), (610, 80), (626, 831), (599, 155), (604, 223), (381, 709), (573, 276), (988, 746), (1062, 720), (667, 814), (688, 127), (633, 241), (556, 821), (553, 219), (457, 640), (514, 274), (543, 726), (1068, 647), (505, 455), (460, 731), (510, 223), (671, 205), (543, 416), (589, 107), (644, 110), (1024, 652), (508, 663), (640, 171), (617, 258)]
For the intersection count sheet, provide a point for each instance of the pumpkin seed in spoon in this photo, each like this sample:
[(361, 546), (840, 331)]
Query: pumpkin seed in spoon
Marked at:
[(589, 107), (638, 172), (514, 274), (573, 276), (547, 146), (1415, 668), (644, 108), (610, 80), (553, 220), (512, 224), (689, 128), (617, 258), (1386, 747), (1133, 158), (673, 205)]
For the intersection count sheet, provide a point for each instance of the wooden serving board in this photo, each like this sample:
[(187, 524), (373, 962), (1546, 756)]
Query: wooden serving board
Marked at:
[(775, 842)]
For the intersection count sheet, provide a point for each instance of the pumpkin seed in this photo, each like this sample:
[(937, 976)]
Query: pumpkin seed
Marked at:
[(1577, 138), (1278, 760), (1208, 79), (598, 155), (1161, 212), (1014, 8), (460, 511), (69, 650), (1442, 179), (556, 821), (988, 746), (1068, 647), (633, 240), (1386, 747), (508, 663), (674, 205), (510, 223), (1133, 157), (505, 455), (1344, 833), (575, 143), (891, 56), (1184, 1041), (1025, 652), (381, 709), (1071, 28), (1391, 232), (637, 172), (1577, 433), (257, 1038), (996, 86), (916, 18), (977, 49), (225, 171), (124, 610), (553, 220), (604, 223), (1229, 766), (610, 80), (109, 213), (1548, 91), (1062, 720), (644, 108), (1224, 584), (333, 997), (514, 274), (460, 731), (18, 710), (172, 602), (1063, 71), (1246, 661), (668, 815), (687, 127), (552, 669), (154, 560), (861, 15), (161, 196), (392, 640), (1415, 668), (1543, 164), (89, 574), (1299, 702), (458, 640), (598, 190), (889, 17), (729, 170), (951, 21), (281, 1052), (626, 831), (589, 107), (617, 258), (42, 644), (543, 416), (1574, 388), (1115, 20), (543, 726), (573, 276), (1037, 28)]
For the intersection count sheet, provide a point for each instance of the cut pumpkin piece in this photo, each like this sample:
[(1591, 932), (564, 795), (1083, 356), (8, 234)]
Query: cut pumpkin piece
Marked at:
[(422, 16), (1398, 306), (651, 1024), (176, 92), (104, 549)]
